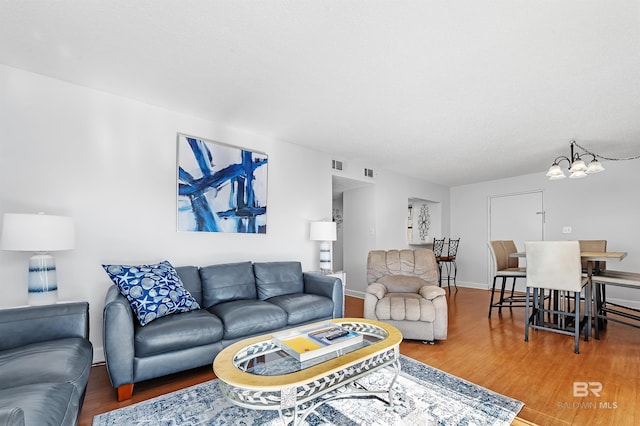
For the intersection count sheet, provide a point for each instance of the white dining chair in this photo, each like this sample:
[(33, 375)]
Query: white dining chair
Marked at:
[(555, 266)]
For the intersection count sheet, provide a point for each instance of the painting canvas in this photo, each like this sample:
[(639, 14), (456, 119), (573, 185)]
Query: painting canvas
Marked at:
[(221, 188)]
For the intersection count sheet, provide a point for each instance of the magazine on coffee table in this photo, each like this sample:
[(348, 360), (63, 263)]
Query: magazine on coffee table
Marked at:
[(309, 343)]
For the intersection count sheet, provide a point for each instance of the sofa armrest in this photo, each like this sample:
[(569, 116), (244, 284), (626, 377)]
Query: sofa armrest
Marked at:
[(379, 290), (11, 417), (33, 324), (430, 292), (324, 285), (118, 337)]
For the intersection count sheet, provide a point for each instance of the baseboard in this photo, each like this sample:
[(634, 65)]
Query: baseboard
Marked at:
[(628, 303), (477, 286), (353, 293), (521, 288)]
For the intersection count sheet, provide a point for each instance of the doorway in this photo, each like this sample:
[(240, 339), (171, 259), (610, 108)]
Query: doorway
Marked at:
[(342, 216)]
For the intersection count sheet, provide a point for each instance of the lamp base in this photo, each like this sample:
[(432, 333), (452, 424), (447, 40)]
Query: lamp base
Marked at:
[(43, 283), (325, 257), (39, 299)]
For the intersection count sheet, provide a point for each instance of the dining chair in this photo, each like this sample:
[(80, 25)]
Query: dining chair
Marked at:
[(449, 261), (556, 266), (438, 249), (505, 267), (593, 245)]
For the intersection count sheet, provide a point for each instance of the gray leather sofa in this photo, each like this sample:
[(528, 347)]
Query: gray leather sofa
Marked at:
[(237, 300), (45, 360)]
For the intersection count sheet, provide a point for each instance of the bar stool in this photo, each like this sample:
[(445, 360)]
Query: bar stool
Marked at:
[(449, 261), (505, 267), (438, 248)]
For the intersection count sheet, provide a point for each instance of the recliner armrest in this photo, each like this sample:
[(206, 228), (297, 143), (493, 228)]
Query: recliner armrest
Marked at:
[(377, 289), (430, 292), (118, 337)]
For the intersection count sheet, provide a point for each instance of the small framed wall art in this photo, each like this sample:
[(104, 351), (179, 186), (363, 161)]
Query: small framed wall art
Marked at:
[(221, 188)]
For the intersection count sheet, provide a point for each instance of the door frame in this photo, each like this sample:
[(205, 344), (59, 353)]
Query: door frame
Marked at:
[(512, 194)]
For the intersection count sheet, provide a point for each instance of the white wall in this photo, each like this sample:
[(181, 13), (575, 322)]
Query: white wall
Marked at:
[(359, 220), (375, 217), (110, 163), (392, 195), (603, 206), (338, 245)]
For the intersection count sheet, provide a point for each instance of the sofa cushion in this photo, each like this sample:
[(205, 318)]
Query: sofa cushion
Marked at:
[(278, 278), (54, 361), (153, 291), (43, 403), (227, 282), (248, 317), (190, 277), (180, 331), (302, 307)]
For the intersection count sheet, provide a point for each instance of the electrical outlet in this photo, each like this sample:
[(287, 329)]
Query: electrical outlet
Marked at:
[(566, 229)]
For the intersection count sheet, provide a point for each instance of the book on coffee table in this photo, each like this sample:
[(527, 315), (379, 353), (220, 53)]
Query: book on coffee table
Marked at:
[(334, 335), (306, 344)]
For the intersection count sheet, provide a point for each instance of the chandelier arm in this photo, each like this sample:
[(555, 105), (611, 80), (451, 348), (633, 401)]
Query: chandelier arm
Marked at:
[(603, 157), (560, 158)]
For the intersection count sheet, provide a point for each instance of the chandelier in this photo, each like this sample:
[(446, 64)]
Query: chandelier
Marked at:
[(578, 167)]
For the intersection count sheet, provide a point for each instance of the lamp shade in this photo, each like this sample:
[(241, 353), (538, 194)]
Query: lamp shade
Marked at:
[(323, 231), (595, 167), (578, 166), (555, 172), (37, 232)]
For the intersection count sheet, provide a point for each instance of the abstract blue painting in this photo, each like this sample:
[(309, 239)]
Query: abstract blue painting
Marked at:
[(221, 188)]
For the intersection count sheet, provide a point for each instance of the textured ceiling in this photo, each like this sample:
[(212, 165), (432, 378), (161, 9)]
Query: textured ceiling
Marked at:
[(453, 92)]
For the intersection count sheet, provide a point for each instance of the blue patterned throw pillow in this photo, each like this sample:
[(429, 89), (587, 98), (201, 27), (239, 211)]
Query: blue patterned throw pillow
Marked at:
[(153, 291)]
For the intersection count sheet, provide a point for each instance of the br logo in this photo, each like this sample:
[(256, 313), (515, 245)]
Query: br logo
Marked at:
[(582, 389)]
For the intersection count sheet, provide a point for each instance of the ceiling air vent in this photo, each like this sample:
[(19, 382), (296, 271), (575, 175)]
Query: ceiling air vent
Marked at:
[(336, 165), (368, 172)]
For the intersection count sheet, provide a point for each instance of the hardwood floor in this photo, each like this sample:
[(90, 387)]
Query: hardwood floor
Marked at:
[(491, 353)]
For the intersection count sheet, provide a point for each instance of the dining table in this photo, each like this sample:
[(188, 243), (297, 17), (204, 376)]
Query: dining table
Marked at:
[(593, 259)]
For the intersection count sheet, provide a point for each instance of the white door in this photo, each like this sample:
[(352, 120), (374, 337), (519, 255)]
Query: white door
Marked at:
[(517, 217)]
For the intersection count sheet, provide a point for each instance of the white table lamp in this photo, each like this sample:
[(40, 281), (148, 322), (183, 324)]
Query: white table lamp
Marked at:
[(325, 232), (39, 233)]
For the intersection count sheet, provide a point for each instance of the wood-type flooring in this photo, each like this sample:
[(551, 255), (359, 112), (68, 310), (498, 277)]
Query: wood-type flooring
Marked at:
[(544, 373)]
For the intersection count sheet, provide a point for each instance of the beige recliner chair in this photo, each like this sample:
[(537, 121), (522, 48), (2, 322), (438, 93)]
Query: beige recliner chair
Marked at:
[(403, 291)]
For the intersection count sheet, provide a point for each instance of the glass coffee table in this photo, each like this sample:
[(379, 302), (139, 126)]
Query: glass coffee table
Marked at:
[(255, 373)]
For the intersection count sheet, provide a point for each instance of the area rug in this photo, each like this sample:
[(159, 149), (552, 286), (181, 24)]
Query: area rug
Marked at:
[(424, 396)]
